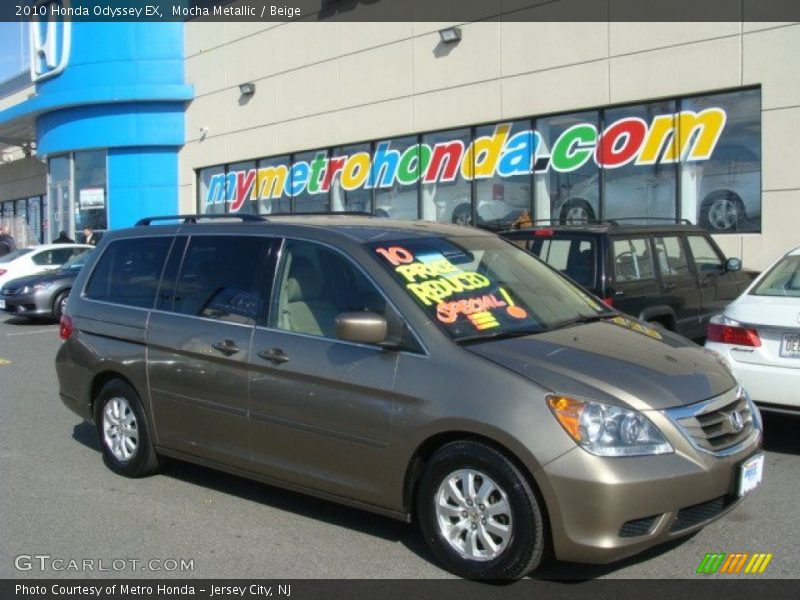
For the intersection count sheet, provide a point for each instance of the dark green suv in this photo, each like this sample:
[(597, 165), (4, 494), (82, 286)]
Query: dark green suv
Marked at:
[(671, 274)]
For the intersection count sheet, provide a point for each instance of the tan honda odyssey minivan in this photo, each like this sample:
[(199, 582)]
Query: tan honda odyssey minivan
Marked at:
[(425, 372)]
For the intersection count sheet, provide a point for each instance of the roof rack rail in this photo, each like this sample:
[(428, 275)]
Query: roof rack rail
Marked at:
[(613, 222), (194, 218), (668, 219), (335, 213)]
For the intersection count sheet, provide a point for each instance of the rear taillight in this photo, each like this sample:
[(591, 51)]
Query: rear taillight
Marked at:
[(65, 330), (732, 334), (608, 301), (3, 271)]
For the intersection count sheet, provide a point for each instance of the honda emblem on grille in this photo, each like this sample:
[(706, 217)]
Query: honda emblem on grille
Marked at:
[(736, 421)]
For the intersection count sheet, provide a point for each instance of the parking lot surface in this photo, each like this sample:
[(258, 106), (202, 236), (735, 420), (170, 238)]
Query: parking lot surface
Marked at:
[(57, 499)]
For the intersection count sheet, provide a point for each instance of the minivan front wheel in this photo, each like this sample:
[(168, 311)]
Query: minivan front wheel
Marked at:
[(479, 514), (123, 431)]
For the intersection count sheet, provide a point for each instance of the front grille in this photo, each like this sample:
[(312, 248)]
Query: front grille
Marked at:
[(637, 527), (694, 515), (717, 424)]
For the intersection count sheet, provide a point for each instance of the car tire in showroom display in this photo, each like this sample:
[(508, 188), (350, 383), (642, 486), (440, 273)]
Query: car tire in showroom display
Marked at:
[(462, 215), (576, 211), (722, 211), (123, 431), (479, 514)]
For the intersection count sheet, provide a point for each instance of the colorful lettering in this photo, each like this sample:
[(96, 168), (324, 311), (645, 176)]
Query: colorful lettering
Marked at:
[(396, 255), (574, 147), (669, 138)]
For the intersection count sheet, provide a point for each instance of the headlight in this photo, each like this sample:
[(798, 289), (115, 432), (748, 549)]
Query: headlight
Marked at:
[(607, 430), (36, 287)]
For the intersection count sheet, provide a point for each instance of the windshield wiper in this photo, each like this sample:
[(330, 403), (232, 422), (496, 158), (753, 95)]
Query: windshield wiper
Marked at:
[(585, 319), (500, 335)]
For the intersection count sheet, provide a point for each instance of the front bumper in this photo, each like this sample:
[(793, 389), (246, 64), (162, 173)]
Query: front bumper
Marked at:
[(37, 304), (607, 509)]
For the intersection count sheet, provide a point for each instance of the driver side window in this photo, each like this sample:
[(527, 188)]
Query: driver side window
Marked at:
[(315, 284)]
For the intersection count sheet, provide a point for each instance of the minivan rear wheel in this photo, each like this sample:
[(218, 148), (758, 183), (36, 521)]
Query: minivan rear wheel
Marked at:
[(123, 431), (478, 513)]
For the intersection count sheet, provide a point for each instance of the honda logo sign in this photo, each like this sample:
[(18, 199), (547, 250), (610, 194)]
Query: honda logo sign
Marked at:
[(51, 37)]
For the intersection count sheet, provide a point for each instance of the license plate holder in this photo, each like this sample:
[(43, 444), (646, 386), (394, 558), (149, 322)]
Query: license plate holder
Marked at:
[(790, 345), (751, 472), (2, 304)]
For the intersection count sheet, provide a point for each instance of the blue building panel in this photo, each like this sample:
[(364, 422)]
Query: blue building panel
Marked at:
[(111, 126), (142, 182)]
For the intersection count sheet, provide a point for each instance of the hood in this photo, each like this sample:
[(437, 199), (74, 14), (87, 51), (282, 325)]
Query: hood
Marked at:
[(772, 311), (19, 282), (616, 361)]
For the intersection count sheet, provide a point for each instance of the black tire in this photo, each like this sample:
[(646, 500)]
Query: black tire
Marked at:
[(524, 549), (58, 304), (143, 459), (722, 211), (576, 211), (462, 215)]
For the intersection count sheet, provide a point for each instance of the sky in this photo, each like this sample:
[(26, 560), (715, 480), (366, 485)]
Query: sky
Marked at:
[(13, 49)]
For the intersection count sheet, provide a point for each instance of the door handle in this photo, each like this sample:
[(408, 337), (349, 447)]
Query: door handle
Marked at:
[(276, 356), (227, 347)]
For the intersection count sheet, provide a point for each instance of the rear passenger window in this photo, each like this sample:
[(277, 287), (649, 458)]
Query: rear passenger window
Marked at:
[(219, 278), (632, 259), (573, 257), (672, 259), (128, 271)]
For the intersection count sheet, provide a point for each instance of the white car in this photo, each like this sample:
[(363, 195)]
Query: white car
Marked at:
[(758, 335), (35, 259)]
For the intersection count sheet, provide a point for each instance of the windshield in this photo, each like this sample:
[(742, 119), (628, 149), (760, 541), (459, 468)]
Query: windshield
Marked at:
[(782, 280), (77, 262), (15, 254), (479, 287)]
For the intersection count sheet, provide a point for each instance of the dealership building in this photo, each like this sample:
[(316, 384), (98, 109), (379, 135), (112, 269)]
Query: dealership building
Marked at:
[(468, 122)]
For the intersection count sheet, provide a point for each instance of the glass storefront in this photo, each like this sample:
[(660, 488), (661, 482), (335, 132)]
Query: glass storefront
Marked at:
[(26, 219), (696, 158), (77, 193)]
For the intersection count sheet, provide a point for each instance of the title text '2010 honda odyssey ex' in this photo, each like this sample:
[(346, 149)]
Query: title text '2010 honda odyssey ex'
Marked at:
[(411, 369)]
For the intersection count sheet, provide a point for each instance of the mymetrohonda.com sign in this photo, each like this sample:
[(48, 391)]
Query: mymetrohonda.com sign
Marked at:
[(684, 136)]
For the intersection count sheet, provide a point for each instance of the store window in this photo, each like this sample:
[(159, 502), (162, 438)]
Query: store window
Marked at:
[(349, 172), (245, 186), (395, 180), (310, 190), (632, 189), (448, 197), (59, 195), (273, 182), (503, 179), (212, 191), (721, 190), (567, 188), (90, 190), (695, 158), (77, 193)]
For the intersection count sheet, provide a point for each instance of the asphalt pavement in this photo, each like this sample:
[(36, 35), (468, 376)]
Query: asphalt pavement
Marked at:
[(57, 499)]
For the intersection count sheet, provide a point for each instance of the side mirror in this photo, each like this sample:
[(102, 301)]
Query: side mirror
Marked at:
[(361, 327), (733, 264)]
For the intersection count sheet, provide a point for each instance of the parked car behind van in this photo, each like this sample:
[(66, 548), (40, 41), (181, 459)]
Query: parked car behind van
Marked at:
[(673, 275), (412, 369)]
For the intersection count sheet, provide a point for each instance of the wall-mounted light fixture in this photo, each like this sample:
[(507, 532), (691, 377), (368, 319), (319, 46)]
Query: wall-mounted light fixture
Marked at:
[(451, 35), (247, 89)]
